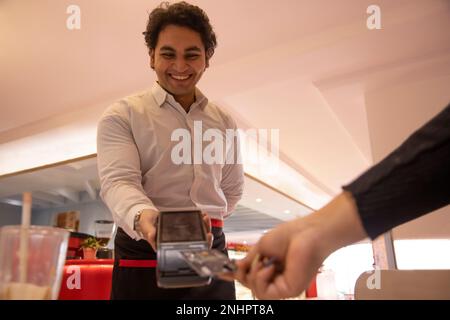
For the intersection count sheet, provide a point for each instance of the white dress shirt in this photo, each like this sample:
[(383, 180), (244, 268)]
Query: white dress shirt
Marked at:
[(134, 148)]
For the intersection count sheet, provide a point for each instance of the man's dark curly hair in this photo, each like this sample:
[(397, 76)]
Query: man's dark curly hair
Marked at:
[(181, 14)]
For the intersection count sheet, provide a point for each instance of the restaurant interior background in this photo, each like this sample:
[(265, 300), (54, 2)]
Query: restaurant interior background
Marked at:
[(341, 94)]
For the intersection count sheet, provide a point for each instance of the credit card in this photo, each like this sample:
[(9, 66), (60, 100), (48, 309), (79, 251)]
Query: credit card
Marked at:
[(208, 263)]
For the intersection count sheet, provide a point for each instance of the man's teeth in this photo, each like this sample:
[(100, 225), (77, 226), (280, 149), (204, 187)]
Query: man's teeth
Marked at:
[(179, 77)]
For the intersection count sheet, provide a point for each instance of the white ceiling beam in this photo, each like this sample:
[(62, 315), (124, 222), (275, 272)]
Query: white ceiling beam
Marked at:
[(58, 200), (12, 202), (90, 189), (69, 194), (430, 63), (18, 202)]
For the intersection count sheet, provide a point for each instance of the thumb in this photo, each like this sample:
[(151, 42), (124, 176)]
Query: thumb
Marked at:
[(275, 243), (151, 238), (210, 240)]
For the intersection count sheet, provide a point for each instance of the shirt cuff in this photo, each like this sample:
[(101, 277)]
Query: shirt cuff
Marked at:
[(129, 220)]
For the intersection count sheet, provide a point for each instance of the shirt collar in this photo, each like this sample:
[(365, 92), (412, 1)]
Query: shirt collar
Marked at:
[(161, 96)]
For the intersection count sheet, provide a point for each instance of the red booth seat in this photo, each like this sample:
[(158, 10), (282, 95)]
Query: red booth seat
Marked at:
[(86, 280)]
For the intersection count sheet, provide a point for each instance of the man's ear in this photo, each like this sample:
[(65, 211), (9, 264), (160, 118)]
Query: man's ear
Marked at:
[(209, 53), (151, 53)]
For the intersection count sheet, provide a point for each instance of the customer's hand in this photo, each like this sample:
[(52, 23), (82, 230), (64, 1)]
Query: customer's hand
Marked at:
[(147, 223), (295, 251), (207, 222), (298, 248)]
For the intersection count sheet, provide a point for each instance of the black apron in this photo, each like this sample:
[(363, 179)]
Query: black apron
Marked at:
[(132, 282)]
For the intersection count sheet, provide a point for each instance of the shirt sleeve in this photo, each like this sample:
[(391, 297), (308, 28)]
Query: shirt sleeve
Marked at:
[(119, 170), (411, 181), (232, 183)]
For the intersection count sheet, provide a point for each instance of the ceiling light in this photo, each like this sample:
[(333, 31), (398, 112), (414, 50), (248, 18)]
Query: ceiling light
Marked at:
[(258, 199)]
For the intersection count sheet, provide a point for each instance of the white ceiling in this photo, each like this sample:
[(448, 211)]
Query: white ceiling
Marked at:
[(339, 93)]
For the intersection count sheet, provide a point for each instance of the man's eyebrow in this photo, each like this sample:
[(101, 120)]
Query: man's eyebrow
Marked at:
[(167, 48), (194, 48), (190, 49)]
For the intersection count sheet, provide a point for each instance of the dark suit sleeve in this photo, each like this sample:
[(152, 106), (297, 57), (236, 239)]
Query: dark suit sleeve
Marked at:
[(411, 181)]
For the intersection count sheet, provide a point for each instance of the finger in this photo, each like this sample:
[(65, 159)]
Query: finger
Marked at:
[(151, 238), (253, 275), (227, 276), (210, 239), (243, 267), (206, 221), (241, 273), (255, 265), (245, 263), (263, 279), (280, 287), (295, 276)]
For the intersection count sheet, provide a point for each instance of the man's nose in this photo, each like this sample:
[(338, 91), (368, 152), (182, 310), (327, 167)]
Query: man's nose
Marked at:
[(180, 65)]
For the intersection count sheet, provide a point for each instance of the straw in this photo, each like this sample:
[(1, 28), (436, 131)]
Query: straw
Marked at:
[(23, 249)]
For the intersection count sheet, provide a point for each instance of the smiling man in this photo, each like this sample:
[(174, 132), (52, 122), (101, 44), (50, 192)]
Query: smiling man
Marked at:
[(179, 61), (138, 176)]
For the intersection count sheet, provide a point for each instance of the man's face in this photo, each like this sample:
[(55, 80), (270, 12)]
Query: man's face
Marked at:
[(179, 59)]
